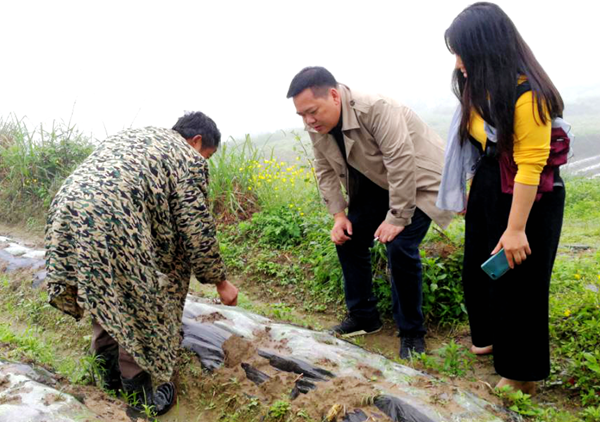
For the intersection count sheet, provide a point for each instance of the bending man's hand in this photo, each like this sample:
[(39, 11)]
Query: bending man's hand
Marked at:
[(228, 293), (387, 232), (341, 226)]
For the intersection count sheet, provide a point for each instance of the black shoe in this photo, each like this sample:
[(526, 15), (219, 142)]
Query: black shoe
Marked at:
[(108, 365), (411, 345), (351, 326), (141, 396)]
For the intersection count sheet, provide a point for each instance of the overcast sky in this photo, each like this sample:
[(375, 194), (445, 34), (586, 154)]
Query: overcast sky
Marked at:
[(115, 64)]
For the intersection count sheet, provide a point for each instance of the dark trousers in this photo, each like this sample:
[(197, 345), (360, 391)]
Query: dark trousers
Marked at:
[(103, 344), (510, 313), (366, 214)]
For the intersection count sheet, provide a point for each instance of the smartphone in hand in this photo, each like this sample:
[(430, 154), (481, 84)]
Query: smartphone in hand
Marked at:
[(496, 266)]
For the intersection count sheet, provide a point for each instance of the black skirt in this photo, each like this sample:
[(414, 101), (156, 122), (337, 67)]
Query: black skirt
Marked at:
[(510, 313)]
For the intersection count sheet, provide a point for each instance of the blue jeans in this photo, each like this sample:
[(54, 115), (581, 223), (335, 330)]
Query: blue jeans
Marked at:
[(404, 262)]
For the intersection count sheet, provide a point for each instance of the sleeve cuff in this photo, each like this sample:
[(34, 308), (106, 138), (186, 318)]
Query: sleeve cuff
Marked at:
[(215, 277), (528, 175), (399, 217), (336, 206)]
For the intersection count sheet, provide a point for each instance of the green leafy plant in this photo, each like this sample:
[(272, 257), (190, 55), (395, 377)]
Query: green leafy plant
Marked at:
[(278, 411), (456, 359), (519, 402), (591, 414)]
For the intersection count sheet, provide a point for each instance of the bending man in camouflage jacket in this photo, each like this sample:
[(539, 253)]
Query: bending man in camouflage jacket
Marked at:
[(124, 234)]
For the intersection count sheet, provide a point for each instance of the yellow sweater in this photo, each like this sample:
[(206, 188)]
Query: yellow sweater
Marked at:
[(531, 146)]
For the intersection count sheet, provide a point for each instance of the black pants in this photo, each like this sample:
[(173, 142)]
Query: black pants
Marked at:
[(510, 313), (102, 342), (367, 211)]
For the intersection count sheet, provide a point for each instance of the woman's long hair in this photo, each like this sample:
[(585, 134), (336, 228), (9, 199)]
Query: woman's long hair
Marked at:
[(494, 55)]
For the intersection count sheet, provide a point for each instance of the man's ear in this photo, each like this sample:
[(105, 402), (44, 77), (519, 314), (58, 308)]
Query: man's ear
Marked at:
[(335, 94), (196, 142)]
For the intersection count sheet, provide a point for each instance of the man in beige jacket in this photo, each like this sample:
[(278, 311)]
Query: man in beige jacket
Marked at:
[(389, 163)]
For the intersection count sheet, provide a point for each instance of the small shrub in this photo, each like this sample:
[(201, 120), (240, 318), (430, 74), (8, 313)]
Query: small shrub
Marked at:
[(278, 227)]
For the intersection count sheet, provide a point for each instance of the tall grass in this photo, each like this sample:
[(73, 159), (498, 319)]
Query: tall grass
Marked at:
[(33, 164), (245, 179)]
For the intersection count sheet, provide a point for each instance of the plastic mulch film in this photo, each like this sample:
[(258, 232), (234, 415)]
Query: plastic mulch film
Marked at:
[(321, 359), (27, 395)]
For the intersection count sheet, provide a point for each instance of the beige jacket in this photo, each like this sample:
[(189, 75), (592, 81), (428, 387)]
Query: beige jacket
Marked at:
[(388, 143)]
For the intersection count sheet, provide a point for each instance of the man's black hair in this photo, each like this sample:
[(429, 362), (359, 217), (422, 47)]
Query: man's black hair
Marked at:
[(317, 78), (197, 123)]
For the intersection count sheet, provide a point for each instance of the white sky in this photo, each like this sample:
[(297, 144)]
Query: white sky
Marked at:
[(137, 63)]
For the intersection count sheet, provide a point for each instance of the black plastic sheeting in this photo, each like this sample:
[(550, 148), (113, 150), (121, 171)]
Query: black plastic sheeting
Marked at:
[(206, 340), (355, 416), (16, 263), (297, 366), (398, 410)]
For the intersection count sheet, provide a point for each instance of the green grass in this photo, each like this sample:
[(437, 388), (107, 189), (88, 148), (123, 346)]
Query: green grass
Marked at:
[(582, 213), (33, 331)]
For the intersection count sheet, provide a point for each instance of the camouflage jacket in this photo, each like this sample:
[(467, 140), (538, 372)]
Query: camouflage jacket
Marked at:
[(124, 233)]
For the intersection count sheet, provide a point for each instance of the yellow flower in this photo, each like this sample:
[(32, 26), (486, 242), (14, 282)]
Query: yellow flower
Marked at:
[(577, 276), (567, 313), (249, 188), (241, 168), (301, 213)]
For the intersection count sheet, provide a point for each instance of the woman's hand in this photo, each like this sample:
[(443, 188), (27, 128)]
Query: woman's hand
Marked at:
[(516, 246), (514, 240)]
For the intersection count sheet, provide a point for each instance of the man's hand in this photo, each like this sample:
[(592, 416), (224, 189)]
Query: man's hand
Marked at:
[(387, 232), (228, 293), (516, 247), (341, 226)]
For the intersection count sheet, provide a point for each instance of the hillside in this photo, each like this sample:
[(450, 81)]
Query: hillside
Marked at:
[(583, 113)]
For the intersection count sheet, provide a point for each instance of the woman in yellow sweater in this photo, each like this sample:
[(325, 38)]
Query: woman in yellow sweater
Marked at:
[(509, 316)]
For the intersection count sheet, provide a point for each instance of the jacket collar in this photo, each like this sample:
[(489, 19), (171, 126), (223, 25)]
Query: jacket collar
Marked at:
[(349, 120)]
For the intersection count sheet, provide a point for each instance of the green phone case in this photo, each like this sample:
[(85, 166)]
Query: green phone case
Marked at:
[(496, 266)]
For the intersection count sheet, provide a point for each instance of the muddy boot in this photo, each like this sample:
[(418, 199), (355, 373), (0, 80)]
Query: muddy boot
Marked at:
[(108, 364), (140, 394)]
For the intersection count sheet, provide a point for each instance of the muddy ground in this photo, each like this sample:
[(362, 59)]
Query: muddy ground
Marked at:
[(213, 397)]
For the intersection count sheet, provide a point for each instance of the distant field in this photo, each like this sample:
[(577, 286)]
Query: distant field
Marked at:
[(582, 114), (585, 160)]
